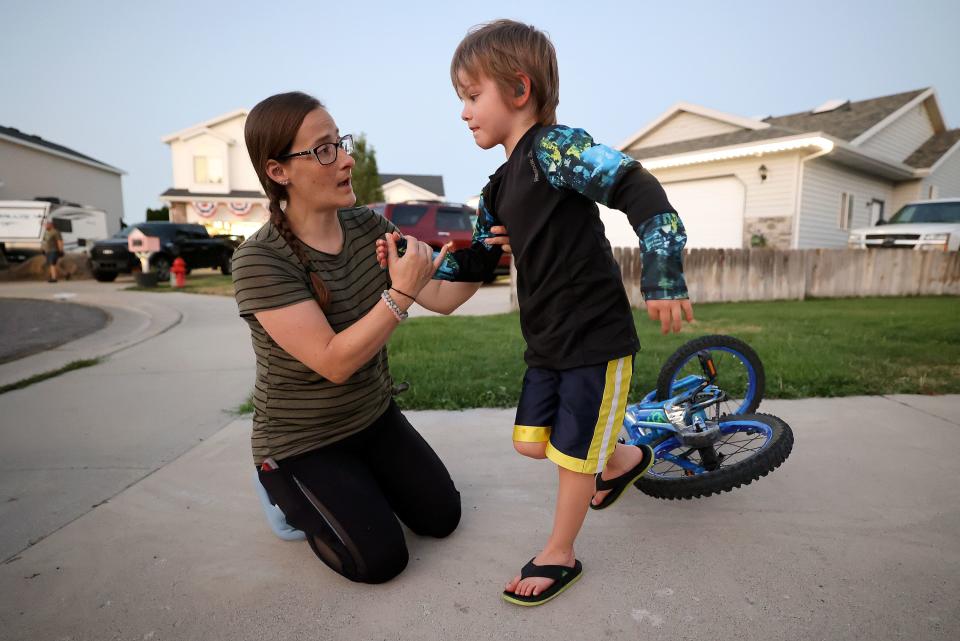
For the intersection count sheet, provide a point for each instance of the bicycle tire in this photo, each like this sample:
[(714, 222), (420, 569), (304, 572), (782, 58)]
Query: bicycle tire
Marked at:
[(766, 459), (688, 350)]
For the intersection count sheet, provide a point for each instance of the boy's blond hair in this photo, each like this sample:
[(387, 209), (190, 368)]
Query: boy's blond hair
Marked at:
[(502, 48)]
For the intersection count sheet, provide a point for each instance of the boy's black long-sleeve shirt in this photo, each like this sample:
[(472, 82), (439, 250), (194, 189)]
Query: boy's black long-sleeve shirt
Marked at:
[(573, 308)]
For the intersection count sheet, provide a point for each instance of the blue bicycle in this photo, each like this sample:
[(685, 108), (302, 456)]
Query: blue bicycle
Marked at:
[(702, 425)]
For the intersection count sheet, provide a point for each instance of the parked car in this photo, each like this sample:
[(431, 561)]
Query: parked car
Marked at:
[(437, 224), (189, 241), (923, 225)]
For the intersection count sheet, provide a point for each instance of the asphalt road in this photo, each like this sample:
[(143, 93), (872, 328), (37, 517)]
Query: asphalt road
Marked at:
[(30, 326)]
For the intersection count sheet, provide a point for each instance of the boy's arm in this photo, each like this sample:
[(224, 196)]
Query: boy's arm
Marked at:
[(571, 159), (477, 263), (444, 296)]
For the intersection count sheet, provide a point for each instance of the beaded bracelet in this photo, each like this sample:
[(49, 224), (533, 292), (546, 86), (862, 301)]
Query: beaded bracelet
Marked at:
[(400, 314)]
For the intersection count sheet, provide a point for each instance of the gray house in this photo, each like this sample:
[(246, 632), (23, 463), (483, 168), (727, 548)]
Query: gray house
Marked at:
[(796, 181), (31, 166)]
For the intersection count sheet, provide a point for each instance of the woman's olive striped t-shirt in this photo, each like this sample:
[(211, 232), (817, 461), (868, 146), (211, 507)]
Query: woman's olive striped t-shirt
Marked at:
[(296, 409)]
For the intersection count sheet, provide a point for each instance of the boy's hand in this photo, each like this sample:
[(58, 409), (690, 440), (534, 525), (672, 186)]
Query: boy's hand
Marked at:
[(501, 238), (382, 249), (669, 313)]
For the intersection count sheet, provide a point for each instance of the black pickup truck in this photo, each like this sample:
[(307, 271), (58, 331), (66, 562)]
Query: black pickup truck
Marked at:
[(189, 241)]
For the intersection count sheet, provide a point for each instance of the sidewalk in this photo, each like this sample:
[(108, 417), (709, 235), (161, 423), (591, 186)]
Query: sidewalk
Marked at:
[(855, 537), (141, 487)]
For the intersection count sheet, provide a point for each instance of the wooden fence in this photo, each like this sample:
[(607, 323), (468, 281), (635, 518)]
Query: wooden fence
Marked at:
[(728, 275)]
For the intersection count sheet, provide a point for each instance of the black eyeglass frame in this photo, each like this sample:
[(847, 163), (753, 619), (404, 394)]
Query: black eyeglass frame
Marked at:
[(337, 146)]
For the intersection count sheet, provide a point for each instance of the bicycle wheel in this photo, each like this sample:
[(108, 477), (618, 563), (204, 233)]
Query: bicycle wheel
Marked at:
[(739, 371), (750, 446)]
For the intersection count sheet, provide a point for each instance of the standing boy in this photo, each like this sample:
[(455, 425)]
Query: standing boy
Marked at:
[(574, 312)]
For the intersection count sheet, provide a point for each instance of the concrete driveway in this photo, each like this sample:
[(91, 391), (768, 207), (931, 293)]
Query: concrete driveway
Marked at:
[(855, 537), (146, 526)]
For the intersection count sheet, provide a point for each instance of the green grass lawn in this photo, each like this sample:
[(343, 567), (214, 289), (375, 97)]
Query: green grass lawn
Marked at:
[(809, 348)]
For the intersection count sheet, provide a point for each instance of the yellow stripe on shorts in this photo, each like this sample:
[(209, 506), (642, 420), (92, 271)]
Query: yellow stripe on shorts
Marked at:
[(615, 391)]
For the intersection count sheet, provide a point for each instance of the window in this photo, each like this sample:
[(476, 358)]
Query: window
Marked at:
[(453, 220), (408, 215), (846, 211), (63, 225), (207, 170)]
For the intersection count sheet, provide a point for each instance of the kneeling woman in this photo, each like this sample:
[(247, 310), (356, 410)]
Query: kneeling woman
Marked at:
[(331, 447)]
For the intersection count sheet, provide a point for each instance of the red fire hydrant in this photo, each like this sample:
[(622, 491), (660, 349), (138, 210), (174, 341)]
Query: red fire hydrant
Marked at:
[(179, 271)]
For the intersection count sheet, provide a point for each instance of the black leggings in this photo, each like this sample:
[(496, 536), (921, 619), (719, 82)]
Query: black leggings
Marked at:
[(347, 497)]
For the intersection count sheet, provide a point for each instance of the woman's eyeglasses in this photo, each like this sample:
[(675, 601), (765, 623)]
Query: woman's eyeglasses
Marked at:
[(325, 152)]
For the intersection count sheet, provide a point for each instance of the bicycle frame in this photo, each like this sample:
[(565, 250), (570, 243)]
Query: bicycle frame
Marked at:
[(648, 421)]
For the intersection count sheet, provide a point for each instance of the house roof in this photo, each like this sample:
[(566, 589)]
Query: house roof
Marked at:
[(846, 122), (206, 124), (709, 142), (236, 193), (931, 151), (46, 145), (433, 184)]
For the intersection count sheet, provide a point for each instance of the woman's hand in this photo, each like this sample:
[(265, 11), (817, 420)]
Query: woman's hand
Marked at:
[(501, 239), (410, 272)]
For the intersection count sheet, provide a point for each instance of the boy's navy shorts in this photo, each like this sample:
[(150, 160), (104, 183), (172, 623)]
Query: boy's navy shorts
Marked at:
[(578, 412)]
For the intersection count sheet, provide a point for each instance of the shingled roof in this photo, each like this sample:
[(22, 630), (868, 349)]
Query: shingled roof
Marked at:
[(711, 142), (433, 184), (16, 134), (931, 151), (845, 122)]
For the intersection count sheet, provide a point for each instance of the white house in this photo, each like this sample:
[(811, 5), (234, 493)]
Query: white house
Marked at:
[(32, 167), (795, 181), (214, 183), (400, 187)]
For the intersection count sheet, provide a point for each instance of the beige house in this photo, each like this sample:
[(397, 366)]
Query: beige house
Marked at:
[(214, 183), (796, 181)]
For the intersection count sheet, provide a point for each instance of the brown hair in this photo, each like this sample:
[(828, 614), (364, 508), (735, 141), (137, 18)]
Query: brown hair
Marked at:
[(502, 48), (269, 132)]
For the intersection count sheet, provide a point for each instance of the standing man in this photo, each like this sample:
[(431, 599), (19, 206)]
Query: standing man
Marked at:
[(52, 249)]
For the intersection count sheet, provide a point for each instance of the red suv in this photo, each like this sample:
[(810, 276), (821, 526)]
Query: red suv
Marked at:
[(436, 224)]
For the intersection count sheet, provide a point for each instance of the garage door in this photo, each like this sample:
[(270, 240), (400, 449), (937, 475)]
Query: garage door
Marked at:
[(711, 210)]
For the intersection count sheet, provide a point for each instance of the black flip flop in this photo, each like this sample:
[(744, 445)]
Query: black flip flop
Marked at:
[(563, 577), (619, 484)]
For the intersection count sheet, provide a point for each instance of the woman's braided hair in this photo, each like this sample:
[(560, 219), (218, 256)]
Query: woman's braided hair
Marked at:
[(269, 132)]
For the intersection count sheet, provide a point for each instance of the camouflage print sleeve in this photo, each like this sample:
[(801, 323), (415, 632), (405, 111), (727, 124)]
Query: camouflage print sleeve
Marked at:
[(661, 251), (571, 159)]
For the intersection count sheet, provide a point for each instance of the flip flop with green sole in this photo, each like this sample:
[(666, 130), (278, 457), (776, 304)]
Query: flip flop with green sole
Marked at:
[(619, 484), (563, 577)]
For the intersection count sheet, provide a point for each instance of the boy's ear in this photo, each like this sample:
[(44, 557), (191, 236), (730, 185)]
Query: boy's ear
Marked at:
[(521, 92)]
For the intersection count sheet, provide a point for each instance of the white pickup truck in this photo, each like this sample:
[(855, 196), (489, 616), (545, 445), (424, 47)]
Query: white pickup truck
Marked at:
[(924, 225), (22, 226)]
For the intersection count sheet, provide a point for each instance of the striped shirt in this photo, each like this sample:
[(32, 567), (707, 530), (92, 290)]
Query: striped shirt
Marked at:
[(296, 409)]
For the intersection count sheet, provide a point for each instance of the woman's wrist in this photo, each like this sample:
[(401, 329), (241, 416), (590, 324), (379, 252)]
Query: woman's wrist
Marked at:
[(400, 313), (404, 294)]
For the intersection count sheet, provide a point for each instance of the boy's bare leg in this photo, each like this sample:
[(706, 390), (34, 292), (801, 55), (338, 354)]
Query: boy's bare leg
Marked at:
[(573, 498), (624, 459)]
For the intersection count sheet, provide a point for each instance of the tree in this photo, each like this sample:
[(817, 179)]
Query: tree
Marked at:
[(366, 177), (161, 214)]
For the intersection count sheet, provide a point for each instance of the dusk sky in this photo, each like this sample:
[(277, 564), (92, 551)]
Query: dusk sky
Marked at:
[(109, 79)]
